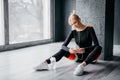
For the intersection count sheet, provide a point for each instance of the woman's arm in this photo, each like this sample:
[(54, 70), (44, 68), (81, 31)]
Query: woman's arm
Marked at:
[(94, 38), (67, 40)]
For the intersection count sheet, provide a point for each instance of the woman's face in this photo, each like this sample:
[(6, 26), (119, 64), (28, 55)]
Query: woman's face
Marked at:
[(74, 23)]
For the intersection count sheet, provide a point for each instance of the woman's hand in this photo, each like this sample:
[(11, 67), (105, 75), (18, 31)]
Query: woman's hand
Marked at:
[(81, 51), (72, 51)]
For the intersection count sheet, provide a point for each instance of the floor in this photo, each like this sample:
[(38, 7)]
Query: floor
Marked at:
[(19, 65)]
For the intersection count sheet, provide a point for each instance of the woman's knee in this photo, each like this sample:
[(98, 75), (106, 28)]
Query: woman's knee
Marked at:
[(64, 53), (99, 48)]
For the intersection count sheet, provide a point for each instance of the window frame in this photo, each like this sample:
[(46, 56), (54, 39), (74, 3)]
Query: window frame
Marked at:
[(9, 46)]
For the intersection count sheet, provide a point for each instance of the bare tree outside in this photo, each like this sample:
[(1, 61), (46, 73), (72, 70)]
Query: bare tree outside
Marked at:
[(27, 20)]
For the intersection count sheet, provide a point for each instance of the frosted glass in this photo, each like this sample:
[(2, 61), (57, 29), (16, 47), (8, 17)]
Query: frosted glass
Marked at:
[(29, 20)]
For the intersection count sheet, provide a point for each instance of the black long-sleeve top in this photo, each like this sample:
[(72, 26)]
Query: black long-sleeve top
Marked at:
[(83, 39)]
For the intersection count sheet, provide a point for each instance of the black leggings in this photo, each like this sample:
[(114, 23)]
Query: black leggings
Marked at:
[(89, 55)]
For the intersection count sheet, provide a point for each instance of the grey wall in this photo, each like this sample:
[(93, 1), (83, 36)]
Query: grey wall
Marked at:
[(92, 12), (117, 23)]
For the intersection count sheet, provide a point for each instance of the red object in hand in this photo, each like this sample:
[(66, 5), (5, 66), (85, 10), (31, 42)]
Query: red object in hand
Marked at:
[(72, 56)]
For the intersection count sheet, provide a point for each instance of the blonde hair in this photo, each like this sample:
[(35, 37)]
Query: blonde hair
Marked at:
[(73, 15)]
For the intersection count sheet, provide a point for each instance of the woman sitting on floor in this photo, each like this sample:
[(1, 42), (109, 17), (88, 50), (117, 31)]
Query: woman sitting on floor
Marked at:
[(87, 52)]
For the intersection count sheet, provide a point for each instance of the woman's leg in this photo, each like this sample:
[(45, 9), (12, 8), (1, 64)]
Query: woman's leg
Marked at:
[(59, 55), (95, 52), (91, 57)]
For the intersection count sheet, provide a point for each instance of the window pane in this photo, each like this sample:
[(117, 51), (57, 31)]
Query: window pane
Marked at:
[(29, 20), (1, 24)]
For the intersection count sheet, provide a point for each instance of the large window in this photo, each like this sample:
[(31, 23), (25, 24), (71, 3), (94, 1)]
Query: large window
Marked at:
[(29, 20), (26, 23)]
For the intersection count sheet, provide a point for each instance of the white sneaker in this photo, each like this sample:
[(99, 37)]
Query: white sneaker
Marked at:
[(42, 67), (52, 65), (79, 70)]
